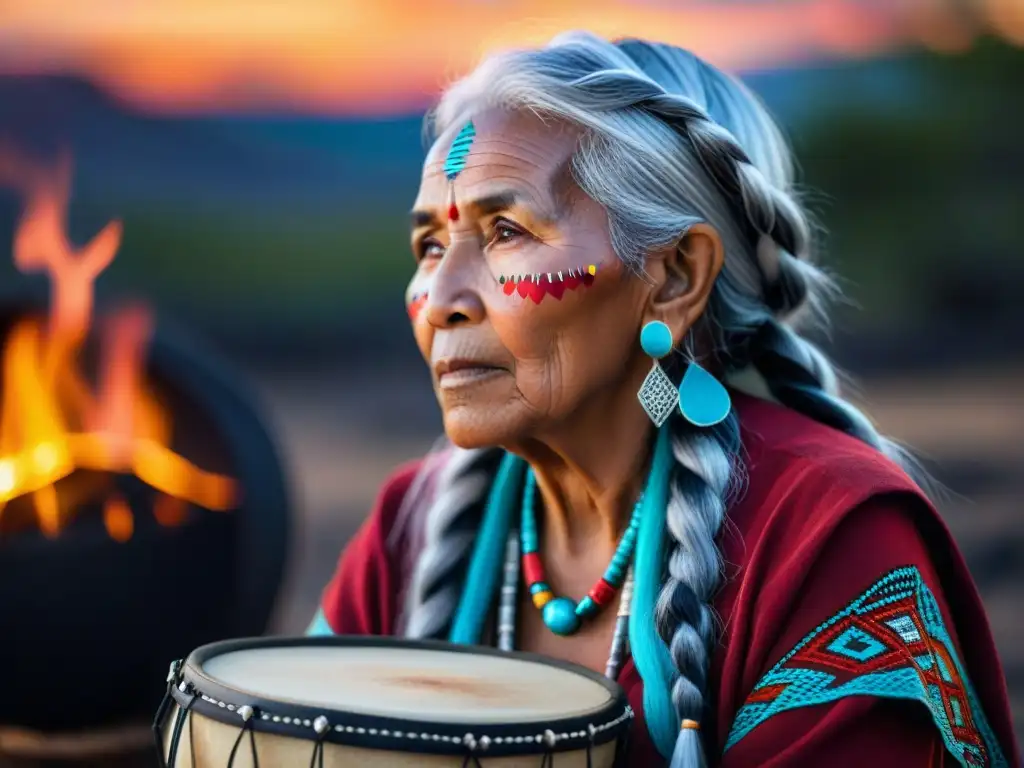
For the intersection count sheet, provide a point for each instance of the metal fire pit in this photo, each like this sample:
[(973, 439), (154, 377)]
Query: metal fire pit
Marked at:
[(87, 624)]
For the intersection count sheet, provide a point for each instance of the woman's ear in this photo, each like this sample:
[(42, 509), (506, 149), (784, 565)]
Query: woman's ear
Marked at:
[(687, 275)]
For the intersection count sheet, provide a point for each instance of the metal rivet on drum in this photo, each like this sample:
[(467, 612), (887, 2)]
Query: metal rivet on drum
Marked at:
[(398, 734), (277, 718), (221, 704), (349, 729), (372, 731), (306, 723), (320, 725), (549, 738), (385, 732), (360, 730), (264, 716), (231, 707), (592, 730), (485, 742), (433, 736), (286, 720), (413, 735)]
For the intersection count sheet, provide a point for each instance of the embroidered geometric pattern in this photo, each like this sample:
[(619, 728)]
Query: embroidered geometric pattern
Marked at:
[(890, 642)]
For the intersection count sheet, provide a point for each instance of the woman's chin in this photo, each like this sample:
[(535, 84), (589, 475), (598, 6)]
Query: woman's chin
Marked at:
[(477, 426)]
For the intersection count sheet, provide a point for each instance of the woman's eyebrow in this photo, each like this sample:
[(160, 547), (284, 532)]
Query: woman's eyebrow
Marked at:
[(493, 202), (423, 218)]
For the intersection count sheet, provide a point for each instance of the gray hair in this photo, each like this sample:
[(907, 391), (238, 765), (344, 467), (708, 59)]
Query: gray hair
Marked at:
[(667, 142)]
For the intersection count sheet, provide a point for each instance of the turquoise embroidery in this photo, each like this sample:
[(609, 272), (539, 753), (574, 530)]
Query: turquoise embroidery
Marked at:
[(890, 642), (319, 626)]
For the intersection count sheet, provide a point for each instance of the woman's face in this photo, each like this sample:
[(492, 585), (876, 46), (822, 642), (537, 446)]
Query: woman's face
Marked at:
[(513, 357)]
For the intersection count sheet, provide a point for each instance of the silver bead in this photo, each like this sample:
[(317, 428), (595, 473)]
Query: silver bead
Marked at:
[(550, 738), (320, 725), (484, 743), (246, 712)]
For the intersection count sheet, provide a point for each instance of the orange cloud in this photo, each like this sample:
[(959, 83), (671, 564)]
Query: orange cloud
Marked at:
[(329, 56)]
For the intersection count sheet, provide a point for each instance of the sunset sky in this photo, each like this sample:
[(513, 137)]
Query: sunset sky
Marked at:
[(351, 56)]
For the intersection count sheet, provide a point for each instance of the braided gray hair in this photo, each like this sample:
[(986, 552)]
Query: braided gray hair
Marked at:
[(667, 142)]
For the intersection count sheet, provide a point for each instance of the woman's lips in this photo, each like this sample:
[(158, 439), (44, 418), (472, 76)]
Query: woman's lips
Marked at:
[(456, 372), (465, 376)]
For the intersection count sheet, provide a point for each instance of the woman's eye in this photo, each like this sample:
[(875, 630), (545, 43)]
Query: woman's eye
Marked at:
[(506, 233), (431, 249)]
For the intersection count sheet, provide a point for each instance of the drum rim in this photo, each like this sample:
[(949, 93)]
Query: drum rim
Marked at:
[(223, 703)]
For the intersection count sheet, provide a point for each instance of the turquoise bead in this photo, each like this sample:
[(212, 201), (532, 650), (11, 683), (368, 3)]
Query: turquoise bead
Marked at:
[(586, 607), (560, 616), (656, 339)]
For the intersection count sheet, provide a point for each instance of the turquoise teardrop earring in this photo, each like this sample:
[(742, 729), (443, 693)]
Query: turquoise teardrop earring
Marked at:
[(703, 400), (658, 395)]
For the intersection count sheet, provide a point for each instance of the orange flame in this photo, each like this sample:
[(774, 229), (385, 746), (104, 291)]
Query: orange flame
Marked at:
[(51, 421)]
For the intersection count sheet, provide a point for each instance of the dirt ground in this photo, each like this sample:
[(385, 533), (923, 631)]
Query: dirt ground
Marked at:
[(343, 433)]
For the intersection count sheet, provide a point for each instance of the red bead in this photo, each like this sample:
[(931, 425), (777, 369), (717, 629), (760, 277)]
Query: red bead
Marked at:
[(602, 592), (453, 212), (533, 571)]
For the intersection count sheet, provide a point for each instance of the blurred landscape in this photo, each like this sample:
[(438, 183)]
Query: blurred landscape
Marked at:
[(279, 233)]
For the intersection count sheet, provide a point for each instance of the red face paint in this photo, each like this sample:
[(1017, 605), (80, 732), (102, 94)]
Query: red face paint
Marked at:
[(550, 283), (416, 305)]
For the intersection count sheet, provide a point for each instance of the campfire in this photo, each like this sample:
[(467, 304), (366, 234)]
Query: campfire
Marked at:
[(143, 502), (62, 435)]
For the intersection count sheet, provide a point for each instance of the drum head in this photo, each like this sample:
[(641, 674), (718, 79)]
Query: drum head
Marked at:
[(423, 684), (412, 695)]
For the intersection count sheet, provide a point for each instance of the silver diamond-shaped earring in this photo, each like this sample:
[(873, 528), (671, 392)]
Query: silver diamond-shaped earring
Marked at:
[(658, 395)]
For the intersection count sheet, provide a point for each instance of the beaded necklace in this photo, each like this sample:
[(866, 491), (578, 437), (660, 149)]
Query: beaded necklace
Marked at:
[(509, 601), (567, 614), (562, 615)]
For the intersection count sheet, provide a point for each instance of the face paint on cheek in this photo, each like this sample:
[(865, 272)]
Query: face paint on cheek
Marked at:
[(416, 304), (538, 285)]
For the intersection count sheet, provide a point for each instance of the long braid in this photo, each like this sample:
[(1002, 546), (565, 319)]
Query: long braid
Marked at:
[(797, 373), (696, 510), (451, 523), (668, 142)]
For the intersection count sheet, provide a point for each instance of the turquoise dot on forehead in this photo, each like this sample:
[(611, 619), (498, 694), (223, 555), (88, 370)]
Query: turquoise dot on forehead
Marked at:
[(459, 150)]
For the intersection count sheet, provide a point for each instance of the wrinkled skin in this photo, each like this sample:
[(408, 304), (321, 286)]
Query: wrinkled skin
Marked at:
[(554, 381)]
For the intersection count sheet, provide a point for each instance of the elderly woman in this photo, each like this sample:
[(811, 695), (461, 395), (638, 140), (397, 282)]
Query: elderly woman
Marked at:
[(612, 275)]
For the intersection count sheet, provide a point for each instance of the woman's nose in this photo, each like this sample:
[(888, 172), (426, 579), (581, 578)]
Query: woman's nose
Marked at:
[(454, 294)]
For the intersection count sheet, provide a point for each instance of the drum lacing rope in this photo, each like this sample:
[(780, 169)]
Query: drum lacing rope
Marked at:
[(471, 743), (322, 728), (179, 723), (246, 713), (162, 710), (549, 757)]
